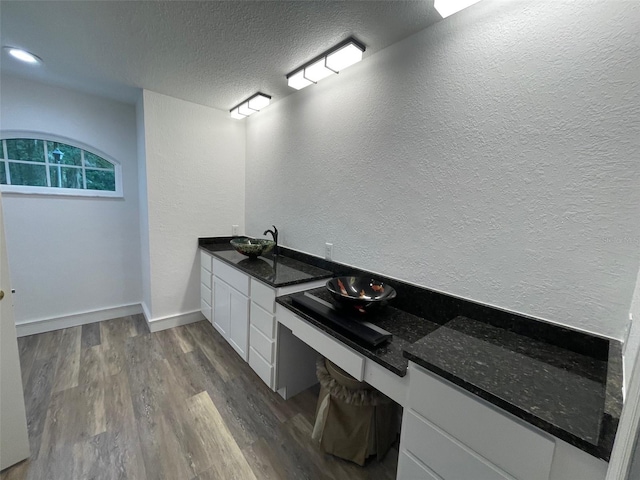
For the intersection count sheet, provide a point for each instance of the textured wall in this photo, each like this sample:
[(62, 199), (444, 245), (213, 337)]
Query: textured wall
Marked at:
[(195, 188), (72, 255), (493, 155), (145, 259)]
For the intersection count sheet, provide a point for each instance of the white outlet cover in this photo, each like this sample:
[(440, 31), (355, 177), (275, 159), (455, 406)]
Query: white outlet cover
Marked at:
[(328, 250)]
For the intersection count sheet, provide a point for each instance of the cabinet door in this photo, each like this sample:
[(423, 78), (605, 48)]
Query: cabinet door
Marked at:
[(239, 322), (221, 307)]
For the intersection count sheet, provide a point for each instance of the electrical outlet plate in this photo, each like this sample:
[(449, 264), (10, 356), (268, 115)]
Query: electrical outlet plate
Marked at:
[(234, 230), (328, 251)]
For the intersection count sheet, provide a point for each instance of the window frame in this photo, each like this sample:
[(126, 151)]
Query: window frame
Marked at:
[(59, 191)]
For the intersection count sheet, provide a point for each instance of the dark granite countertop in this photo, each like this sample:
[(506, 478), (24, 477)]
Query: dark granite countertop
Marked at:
[(405, 327), (559, 391), (274, 270)]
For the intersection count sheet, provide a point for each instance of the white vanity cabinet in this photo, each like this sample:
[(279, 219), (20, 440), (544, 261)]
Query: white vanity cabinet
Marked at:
[(243, 310), (231, 306), (262, 342), (449, 433), (206, 296), (263, 339)]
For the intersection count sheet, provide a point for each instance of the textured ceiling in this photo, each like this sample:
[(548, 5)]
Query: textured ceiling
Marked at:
[(214, 53)]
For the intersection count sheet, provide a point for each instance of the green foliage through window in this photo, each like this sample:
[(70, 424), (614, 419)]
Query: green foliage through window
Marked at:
[(25, 149), (28, 174), (46, 163), (70, 155)]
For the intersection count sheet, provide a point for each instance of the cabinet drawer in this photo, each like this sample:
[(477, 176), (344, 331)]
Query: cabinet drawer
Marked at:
[(205, 277), (261, 344), (205, 294), (411, 469), (231, 276), (263, 295), (205, 260), (261, 367), (205, 308), (334, 350), (503, 439), (443, 454), (263, 321)]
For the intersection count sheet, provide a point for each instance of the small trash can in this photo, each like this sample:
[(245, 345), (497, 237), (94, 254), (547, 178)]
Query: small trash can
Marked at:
[(353, 420)]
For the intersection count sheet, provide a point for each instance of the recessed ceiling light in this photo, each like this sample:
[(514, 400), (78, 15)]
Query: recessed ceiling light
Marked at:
[(23, 55)]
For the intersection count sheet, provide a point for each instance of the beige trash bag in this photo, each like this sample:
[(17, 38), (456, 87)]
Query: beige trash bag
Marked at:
[(353, 421)]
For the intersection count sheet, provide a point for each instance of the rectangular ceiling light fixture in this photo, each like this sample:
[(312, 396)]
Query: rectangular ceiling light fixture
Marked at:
[(449, 7), (250, 106), (337, 58)]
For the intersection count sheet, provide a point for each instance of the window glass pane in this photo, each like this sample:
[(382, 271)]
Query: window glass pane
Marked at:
[(70, 155), (25, 149), (91, 160), (101, 180), (28, 174), (66, 177), (26, 166)]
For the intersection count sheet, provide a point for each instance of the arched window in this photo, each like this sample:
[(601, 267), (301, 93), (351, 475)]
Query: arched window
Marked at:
[(36, 165)]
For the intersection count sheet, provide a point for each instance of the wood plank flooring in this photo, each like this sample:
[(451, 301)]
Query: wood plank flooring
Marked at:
[(112, 401)]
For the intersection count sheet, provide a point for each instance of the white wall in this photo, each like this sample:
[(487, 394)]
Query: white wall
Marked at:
[(70, 255), (195, 188), (145, 259), (493, 156)]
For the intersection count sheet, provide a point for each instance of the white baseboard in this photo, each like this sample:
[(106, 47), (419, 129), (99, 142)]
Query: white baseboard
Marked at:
[(145, 312), (49, 324), (158, 324)]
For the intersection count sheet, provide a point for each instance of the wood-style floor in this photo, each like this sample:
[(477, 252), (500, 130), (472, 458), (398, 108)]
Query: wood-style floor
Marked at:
[(112, 401)]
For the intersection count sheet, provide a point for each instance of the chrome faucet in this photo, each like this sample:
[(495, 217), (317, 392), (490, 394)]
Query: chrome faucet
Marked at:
[(274, 234)]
